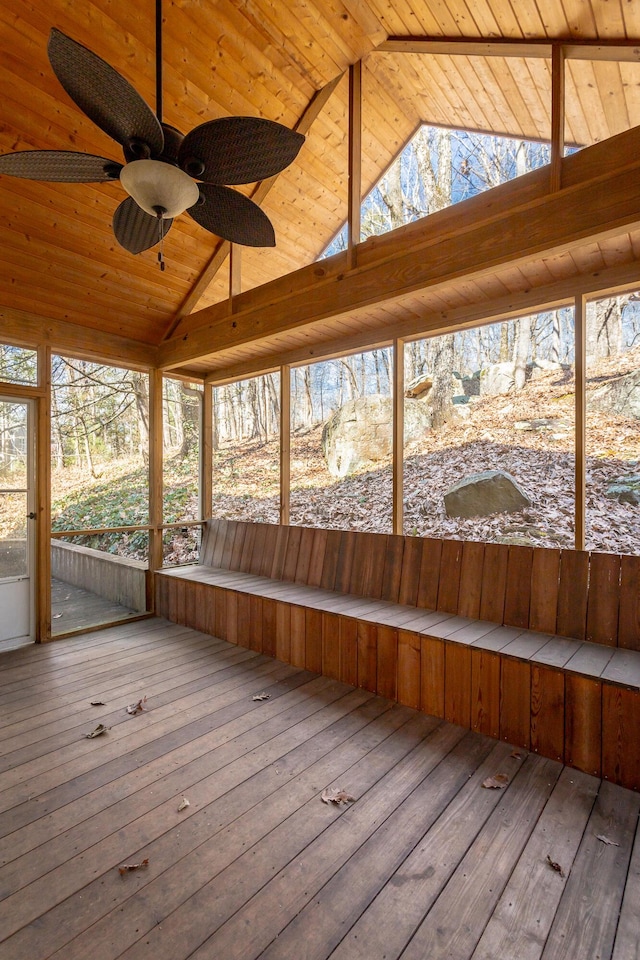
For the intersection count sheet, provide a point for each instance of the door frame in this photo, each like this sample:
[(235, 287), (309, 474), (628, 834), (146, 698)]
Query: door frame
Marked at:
[(31, 404)]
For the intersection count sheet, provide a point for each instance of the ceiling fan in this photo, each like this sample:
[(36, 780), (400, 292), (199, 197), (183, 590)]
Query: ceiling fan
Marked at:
[(165, 172)]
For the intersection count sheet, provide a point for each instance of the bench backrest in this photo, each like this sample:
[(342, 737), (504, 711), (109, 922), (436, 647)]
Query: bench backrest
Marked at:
[(587, 596)]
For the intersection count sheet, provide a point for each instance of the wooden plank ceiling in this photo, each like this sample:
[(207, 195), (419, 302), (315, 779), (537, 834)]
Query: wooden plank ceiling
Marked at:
[(59, 260)]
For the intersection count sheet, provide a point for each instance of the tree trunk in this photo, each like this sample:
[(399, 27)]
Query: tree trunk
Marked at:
[(521, 351), (139, 383), (440, 394)]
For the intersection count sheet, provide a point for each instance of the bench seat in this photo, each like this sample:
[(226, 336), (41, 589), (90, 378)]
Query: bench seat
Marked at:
[(568, 698)]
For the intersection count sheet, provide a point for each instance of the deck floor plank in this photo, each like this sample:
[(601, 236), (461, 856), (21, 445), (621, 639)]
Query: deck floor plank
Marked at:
[(424, 862), (522, 919), (586, 921)]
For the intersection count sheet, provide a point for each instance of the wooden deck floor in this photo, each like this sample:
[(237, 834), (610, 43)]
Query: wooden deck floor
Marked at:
[(73, 608), (425, 863)]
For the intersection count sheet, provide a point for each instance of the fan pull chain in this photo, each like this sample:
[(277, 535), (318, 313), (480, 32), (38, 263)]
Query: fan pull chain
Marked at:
[(161, 232)]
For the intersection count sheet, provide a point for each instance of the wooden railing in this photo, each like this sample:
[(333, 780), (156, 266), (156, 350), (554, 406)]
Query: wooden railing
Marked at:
[(119, 579)]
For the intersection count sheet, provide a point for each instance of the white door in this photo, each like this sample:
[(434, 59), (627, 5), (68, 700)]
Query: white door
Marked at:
[(17, 516)]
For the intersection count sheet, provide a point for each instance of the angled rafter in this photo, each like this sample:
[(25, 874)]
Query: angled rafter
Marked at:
[(207, 275)]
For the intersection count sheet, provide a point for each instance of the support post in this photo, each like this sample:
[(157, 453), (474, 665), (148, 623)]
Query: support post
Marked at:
[(285, 443), (580, 326), (206, 452), (398, 437), (155, 482), (43, 499)]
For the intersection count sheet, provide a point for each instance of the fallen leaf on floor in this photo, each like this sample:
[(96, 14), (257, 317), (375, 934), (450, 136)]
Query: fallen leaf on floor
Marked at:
[(612, 843), (100, 729), (129, 867), (261, 696), (497, 782), (516, 755), (336, 795), (555, 866), (138, 707), (184, 803), (98, 703)]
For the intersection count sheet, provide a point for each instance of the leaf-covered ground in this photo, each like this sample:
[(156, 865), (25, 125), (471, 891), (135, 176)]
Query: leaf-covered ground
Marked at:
[(483, 436)]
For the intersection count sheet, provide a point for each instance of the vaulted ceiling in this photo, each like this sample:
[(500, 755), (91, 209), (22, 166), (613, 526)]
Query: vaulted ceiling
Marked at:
[(285, 60)]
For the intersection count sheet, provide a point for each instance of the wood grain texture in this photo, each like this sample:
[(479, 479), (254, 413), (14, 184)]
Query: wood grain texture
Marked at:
[(349, 651), (517, 601), (331, 555), (572, 594), (485, 692), (430, 562), (449, 575), (473, 554), (457, 684), (367, 655), (545, 585), (583, 926), (409, 656), (313, 640), (604, 598), (547, 712), (620, 740), (298, 635), (583, 724), (387, 662), (494, 579), (629, 625), (316, 563), (393, 566), (411, 567), (283, 632), (331, 645), (515, 702)]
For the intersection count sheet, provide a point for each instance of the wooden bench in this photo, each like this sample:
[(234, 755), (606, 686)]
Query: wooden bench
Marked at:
[(537, 647)]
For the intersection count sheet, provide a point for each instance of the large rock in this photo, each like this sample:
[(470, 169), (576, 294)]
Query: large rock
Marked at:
[(620, 396), (625, 490), (484, 494), (499, 378), (360, 433)]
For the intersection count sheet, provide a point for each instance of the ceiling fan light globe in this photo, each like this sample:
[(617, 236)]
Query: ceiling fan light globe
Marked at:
[(154, 184)]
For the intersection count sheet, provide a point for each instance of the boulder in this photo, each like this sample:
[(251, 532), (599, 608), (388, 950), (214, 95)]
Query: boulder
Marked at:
[(360, 433), (625, 490), (484, 494), (620, 396), (499, 378)]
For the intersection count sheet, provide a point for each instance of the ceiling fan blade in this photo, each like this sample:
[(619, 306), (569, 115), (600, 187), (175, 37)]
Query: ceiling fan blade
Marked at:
[(238, 150), (100, 92), (136, 230), (232, 216), (63, 166)]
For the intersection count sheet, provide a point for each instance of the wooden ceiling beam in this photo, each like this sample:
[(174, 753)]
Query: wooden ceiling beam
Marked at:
[(614, 280), (18, 326), (208, 273), (610, 49), (514, 223)]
